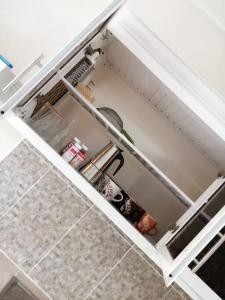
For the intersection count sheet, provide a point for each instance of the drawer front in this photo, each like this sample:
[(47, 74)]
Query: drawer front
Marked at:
[(195, 229)]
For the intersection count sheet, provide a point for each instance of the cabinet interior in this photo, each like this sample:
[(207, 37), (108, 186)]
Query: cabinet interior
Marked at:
[(209, 263), (200, 219), (212, 271), (163, 129)]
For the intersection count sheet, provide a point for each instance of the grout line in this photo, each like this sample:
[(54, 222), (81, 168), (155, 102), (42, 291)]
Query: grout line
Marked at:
[(168, 291), (57, 172), (25, 193), (146, 260), (82, 196), (104, 218), (172, 288), (109, 272), (183, 296), (59, 240), (10, 150), (21, 271), (46, 161)]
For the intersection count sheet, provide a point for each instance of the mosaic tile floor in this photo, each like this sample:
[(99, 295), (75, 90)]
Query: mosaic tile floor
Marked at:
[(63, 242)]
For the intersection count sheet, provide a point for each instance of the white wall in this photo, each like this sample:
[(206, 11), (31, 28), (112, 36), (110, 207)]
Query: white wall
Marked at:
[(30, 28), (189, 32), (214, 10)]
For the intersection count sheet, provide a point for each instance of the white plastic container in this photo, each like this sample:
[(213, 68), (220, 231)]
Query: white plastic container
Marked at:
[(72, 152), (79, 158)]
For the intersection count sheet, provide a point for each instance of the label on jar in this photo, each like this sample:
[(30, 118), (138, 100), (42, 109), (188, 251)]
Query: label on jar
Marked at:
[(70, 153), (76, 162), (64, 149)]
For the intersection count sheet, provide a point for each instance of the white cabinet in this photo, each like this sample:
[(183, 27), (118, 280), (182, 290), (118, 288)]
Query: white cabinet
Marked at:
[(172, 168)]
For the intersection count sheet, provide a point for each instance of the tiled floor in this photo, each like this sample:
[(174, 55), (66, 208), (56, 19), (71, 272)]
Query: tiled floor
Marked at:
[(83, 257), (134, 277), (18, 172), (39, 220), (12, 277), (63, 242)]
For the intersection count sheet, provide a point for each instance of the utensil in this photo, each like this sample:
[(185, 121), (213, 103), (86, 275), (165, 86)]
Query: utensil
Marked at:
[(102, 161), (113, 117)]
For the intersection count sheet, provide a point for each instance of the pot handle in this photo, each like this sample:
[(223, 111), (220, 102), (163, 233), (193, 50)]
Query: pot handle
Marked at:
[(120, 157)]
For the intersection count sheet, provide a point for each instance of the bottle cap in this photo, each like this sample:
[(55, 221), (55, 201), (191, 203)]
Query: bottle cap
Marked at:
[(85, 147), (79, 147), (77, 140)]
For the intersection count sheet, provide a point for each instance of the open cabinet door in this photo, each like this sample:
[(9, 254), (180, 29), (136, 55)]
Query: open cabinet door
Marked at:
[(61, 58), (196, 228)]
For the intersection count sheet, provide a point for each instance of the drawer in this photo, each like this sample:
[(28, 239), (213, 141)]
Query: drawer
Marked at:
[(173, 150), (209, 264)]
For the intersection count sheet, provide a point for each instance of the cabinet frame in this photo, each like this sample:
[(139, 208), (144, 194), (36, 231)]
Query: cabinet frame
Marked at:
[(122, 26)]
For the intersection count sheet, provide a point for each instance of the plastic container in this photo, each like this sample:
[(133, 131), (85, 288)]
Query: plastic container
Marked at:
[(80, 157), (73, 149), (73, 142)]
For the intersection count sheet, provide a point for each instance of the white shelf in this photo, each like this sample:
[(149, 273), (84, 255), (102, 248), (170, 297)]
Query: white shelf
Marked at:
[(150, 166)]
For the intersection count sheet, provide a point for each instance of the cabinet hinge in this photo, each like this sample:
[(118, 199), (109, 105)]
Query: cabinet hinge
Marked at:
[(173, 227)]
